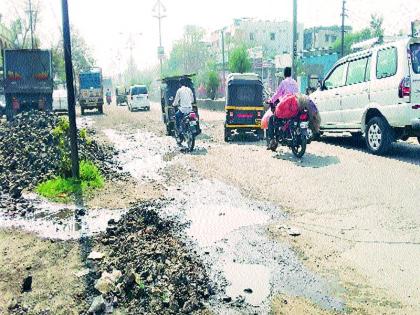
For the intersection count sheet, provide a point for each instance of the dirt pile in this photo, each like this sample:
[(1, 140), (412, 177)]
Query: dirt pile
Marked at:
[(159, 274), (30, 152)]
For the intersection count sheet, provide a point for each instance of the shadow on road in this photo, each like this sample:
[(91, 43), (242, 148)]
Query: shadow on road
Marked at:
[(400, 151), (308, 160)]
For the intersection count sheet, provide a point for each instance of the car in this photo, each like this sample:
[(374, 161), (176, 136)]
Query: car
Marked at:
[(138, 98), (60, 104), (374, 93)]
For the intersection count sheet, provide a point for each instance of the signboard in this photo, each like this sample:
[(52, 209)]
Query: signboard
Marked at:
[(161, 52), (415, 28)]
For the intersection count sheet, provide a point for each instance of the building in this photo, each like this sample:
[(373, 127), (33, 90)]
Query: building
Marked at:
[(322, 37)]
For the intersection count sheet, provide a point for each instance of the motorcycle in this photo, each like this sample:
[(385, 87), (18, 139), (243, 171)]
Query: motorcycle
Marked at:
[(108, 100), (189, 130), (293, 133)]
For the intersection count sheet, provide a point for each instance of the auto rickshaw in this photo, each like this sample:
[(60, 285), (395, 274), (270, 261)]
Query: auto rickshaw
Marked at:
[(121, 96), (169, 87), (244, 105)]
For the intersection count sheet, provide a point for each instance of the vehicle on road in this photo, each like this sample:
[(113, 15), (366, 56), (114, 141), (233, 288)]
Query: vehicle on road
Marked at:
[(374, 93), (121, 96), (169, 87), (244, 105), (91, 92), (27, 81), (60, 104), (189, 130), (138, 98)]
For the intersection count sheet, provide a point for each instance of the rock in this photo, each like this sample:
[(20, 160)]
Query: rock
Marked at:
[(98, 305), (27, 284), (95, 256), (293, 232), (107, 282), (248, 290), (227, 299)]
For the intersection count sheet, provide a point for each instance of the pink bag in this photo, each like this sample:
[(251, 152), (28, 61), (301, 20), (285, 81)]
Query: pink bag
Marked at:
[(266, 118)]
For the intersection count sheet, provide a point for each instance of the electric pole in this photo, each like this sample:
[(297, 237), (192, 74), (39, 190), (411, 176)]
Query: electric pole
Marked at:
[(31, 24), (295, 39), (159, 10), (343, 16), (70, 91), (223, 55)]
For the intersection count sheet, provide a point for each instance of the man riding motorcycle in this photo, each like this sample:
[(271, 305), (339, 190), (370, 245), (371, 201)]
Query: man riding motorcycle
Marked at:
[(184, 99)]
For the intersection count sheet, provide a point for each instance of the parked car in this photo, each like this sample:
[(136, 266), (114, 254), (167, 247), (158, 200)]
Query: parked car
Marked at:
[(374, 93), (138, 98), (60, 104)]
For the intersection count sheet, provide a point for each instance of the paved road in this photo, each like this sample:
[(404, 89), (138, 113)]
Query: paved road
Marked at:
[(358, 214)]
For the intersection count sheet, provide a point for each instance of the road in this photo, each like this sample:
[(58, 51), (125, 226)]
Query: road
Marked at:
[(357, 214)]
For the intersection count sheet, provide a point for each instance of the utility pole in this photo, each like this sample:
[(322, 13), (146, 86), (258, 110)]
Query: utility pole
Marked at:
[(223, 55), (31, 25), (159, 10), (70, 91), (295, 38), (343, 16)]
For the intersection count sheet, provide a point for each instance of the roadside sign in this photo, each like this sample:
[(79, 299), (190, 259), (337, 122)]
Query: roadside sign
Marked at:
[(415, 28)]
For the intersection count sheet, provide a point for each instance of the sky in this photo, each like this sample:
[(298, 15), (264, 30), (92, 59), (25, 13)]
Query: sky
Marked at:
[(107, 25)]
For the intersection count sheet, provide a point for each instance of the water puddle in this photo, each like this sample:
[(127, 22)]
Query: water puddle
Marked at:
[(231, 233), (61, 222), (142, 153)]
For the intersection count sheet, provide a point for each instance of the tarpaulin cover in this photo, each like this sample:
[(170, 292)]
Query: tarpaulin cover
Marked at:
[(287, 108)]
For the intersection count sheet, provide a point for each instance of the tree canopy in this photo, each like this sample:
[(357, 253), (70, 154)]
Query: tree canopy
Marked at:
[(239, 60)]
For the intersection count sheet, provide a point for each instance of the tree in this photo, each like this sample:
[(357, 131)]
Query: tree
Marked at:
[(239, 60), (376, 22), (81, 55), (212, 84), (20, 26)]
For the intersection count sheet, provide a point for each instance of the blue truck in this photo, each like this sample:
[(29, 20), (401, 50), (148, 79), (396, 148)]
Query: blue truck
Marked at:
[(27, 80), (91, 91)]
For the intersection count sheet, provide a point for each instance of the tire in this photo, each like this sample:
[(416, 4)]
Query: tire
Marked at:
[(260, 135), (418, 140), (228, 134), (190, 140), (378, 136), (101, 109), (82, 111), (300, 149)]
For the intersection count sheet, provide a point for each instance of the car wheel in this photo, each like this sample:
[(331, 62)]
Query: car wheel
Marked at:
[(378, 136)]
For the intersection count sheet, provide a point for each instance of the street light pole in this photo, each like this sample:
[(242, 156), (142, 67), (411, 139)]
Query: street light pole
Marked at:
[(294, 56), (223, 55), (160, 9), (70, 91)]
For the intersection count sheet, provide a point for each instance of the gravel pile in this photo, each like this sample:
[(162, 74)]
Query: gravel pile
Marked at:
[(29, 152), (159, 274)]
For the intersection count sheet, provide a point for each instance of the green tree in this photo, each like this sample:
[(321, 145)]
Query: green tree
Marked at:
[(376, 25), (212, 84), (20, 25), (239, 60)]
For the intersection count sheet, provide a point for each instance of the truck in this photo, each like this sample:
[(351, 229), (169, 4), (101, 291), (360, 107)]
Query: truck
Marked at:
[(91, 91), (27, 80)]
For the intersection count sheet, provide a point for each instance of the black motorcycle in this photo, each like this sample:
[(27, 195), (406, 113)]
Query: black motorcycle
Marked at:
[(293, 133), (190, 129)]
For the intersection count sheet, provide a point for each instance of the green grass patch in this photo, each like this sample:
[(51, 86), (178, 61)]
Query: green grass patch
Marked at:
[(62, 189)]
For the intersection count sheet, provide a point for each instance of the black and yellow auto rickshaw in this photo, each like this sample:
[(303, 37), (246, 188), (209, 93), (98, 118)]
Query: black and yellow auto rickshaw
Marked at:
[(244, 105), (121, 96)]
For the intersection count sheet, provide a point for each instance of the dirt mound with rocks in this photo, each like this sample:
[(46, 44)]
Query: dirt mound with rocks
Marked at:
[(30, 152), (159, 274)]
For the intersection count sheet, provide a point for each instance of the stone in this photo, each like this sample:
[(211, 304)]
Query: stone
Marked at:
[(107, 282), (95, 256), (98, 305), (27, 284), (248, 290), (293, 232)]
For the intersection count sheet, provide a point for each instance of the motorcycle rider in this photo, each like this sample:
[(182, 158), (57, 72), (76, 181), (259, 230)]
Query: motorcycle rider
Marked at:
[(184, 99), (287, 86)]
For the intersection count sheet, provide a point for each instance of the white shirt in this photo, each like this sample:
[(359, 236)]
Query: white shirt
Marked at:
[(185, 98)]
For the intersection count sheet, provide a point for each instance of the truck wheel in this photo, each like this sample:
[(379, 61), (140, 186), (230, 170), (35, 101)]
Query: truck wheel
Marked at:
[(378, 136), (101, 109), (260, 134), (82, 111), (418, 140)]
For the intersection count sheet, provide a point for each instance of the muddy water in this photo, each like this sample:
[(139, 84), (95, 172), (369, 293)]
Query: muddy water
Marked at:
[(231, 232), (61, 222)]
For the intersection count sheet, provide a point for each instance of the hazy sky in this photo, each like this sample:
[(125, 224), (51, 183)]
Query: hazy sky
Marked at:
[(107, 24)]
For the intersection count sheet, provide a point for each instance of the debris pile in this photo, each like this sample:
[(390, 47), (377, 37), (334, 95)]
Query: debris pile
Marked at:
[(30, 152), (158, 272)]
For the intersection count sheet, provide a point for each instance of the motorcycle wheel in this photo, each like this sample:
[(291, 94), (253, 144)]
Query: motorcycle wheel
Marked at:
[(190, 140), (300, 149)]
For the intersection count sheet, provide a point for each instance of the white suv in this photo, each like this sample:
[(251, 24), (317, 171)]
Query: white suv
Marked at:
[(138, 98), (375, 92)]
